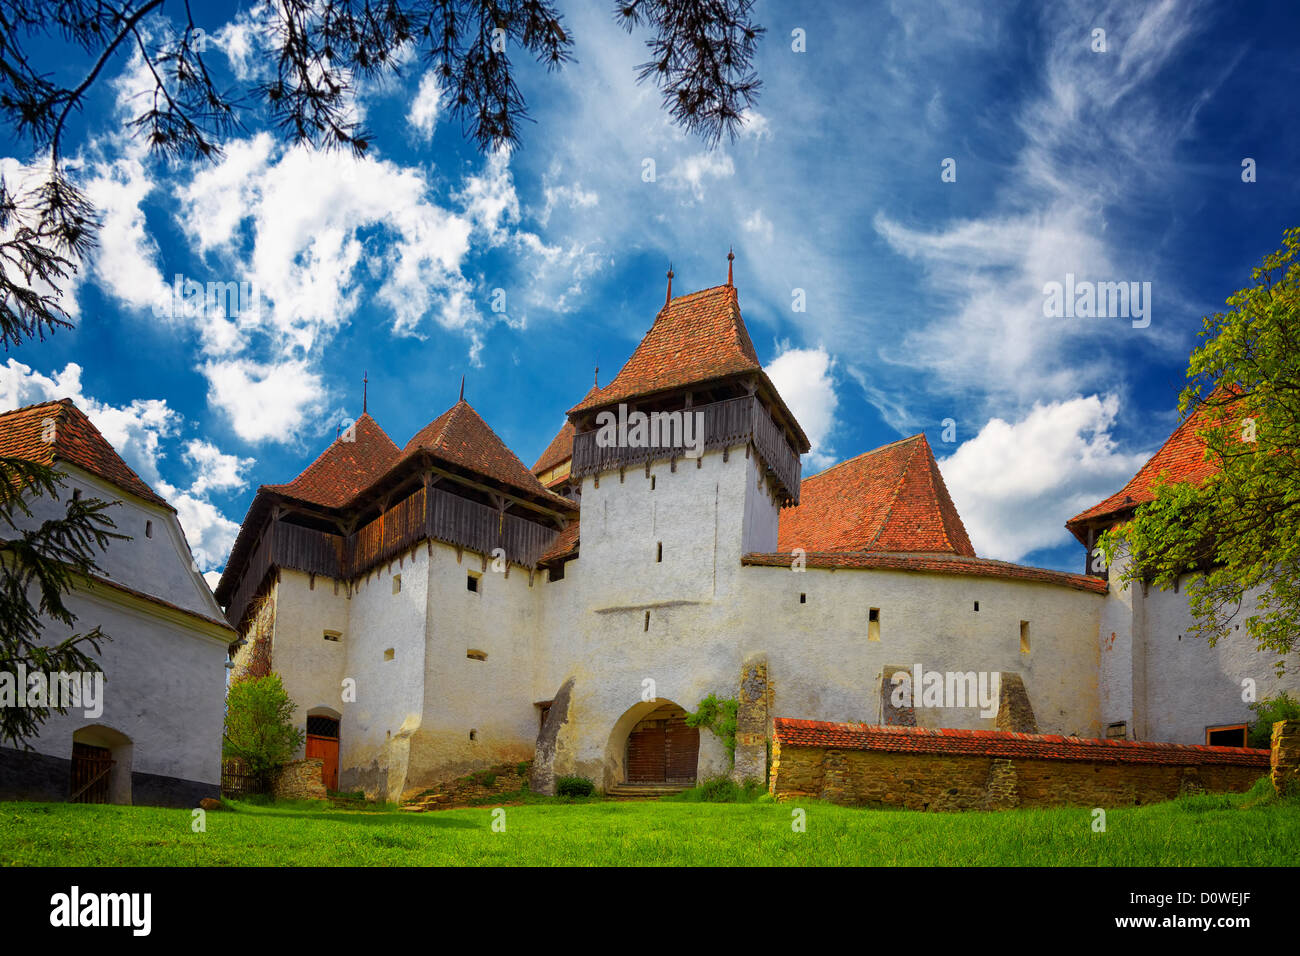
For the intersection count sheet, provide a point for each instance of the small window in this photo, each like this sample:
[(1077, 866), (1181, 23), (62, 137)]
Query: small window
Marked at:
[(333, 636), (659, 552), (1117, 730), (803, 598), (652, 482), (1024, 637), (555, 572), (148, 529), (873, 624), (1229, 735), (471, 583), (977, 606), (647, 621), (476, 655), (389, 654), (473, 735), (397, 584)]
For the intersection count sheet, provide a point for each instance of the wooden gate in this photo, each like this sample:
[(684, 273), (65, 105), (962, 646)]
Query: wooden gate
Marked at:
[(323, 742), (90, 770), (663, 749)]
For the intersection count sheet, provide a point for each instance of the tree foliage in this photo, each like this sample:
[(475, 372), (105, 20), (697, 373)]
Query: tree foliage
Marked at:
[(259, 725), (1238, 533), (39, 565), (702, 54)]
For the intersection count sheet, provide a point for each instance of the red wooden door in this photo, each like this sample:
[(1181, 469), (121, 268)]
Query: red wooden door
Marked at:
[(326, 748), (662, 749)]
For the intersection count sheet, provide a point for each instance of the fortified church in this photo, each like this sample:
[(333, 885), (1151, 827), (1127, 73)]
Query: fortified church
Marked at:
[(438, 607)]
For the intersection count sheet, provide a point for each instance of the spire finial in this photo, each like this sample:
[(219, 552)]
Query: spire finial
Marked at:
[(596, 382), (731, 256), (365, 388), (462, 388), (669, 297)]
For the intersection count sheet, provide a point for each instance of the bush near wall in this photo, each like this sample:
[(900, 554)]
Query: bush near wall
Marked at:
[(924, 769)]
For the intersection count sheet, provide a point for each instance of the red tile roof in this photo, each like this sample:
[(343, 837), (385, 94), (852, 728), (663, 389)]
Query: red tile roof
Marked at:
[(929, 563), (351, 463), (565, 544), (696, 338), (460, 437), (997, 743), (70, 436), (890, 499), (1180, 459)]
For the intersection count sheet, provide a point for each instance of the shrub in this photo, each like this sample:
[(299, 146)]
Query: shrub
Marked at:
[(718, 715), (723, 790), (259, 726), (574, 787), (1267, 712)]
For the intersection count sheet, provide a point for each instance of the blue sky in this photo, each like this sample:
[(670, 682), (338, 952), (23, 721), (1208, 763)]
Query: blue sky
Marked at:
[(924, 298)]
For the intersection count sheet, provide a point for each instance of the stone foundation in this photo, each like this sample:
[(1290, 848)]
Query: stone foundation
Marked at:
[(1285, 761)]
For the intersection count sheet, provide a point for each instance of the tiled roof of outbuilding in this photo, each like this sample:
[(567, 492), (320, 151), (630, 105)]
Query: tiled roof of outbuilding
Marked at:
[(60, 431), (1180, 459), (996, 743)]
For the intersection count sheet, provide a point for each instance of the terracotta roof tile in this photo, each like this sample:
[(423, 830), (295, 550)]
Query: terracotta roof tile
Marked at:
[(345, 468), (695, 338), (932, 563), (70, 437), (561, 447), (890, 499), (565, 544), (460, 437), (1180, 459), (996, 743)]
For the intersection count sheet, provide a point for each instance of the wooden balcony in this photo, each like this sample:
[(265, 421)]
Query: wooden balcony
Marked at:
[(439, 516), (731, 422)]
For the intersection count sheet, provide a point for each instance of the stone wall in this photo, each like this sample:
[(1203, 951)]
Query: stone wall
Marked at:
[(300, 780), (988, 770), (1285, 760)]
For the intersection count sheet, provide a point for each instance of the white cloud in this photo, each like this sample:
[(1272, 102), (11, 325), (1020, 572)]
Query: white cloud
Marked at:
[(1015, 483), (759, 225), (692, 172), (215, 470), (265, 401), (803, 377), (423, 115)]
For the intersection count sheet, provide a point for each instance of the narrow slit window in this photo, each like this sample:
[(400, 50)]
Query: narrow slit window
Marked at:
[(803, 597), (647, 621), (652, 482), (476, 655), (659, 552), (1024, 637), (334, 637), (389, 654), (397, 584), (873, 624), (148, 529), (471, 583), (977, 605)]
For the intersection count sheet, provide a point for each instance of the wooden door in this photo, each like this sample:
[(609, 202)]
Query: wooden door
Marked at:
[(663, 749), (327, 748), (90, 770)]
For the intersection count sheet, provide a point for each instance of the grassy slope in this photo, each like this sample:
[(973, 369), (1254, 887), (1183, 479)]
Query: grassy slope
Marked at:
[(1201, 831)]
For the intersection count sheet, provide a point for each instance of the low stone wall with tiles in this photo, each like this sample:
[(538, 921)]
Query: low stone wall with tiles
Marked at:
[(300, 780), (925, 769)]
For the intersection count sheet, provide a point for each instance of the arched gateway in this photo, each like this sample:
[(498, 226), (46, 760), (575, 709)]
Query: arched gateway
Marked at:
[(651, 744)]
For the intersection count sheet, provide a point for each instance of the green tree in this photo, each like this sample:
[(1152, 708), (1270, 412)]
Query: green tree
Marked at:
[(259, 725), (1237, 533), (40, 563), (1268, 712)]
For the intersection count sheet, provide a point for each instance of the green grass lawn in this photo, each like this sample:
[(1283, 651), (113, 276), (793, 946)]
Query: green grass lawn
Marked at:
[(1195, 831)]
